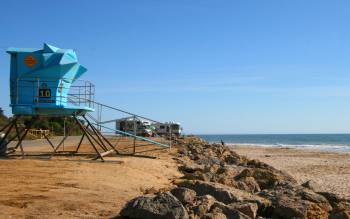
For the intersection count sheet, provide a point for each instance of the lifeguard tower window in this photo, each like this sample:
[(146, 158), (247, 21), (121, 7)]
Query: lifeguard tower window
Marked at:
[(45, 82)]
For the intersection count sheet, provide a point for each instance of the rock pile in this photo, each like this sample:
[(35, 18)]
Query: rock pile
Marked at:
[(218, 183)]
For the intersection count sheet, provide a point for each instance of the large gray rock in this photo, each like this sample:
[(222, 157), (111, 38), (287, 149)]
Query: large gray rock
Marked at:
[(310, 195), (229, 211), (226, 175), (248, 184), (231, 157), (331, 197), (296, 202), (214, 215), (258, 164), (287, 207), (191, 167), (229, 171), (249, 209), (223, 193), (340, 215), (266, 178), (184, 195), (162, 205), (310, 184), (341, 207), (337, 202), (202, 205)]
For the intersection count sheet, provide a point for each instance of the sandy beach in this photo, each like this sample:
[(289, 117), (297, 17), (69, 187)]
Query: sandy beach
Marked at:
[(76, 187), (330, 170)]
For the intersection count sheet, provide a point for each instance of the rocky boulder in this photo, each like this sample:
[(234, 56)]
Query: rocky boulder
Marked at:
[(296, 202), (341, 207), (310, 184), (258, 164), (214, 215), (249, 209), (223, 193), (229, 211), (184, 195), (160, 206), (202, 205), (340, 215), (191, 167), (266, 178), (231, 157), (248, 184)]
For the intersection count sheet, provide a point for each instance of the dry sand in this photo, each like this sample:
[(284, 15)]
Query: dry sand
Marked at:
[(78, 187), (330, 170)]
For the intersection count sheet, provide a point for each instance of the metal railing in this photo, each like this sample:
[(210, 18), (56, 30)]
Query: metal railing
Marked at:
[(82, 93), (28, 91), (133, 131)]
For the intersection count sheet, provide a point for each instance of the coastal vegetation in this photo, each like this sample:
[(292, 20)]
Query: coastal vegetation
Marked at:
[(54, 124)]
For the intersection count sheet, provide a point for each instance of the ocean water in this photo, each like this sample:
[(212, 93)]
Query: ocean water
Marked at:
[(327, 142)]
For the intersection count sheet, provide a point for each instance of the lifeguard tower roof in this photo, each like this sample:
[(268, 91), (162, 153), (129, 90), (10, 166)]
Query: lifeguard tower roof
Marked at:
[(41, 82)]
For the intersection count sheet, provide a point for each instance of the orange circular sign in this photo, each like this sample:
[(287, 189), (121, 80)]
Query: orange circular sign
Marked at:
[(30, 61)]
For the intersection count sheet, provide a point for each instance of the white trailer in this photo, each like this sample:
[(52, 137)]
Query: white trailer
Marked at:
[(167, 128), (134, 124)]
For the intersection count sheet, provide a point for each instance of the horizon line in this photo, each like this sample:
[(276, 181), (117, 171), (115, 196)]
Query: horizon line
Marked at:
[(321, 133)]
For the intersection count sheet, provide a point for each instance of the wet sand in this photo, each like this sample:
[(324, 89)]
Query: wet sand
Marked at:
[(330, 170)]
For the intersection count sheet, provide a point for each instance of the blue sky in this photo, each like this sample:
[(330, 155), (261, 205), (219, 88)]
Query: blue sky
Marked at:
[(243, 66)]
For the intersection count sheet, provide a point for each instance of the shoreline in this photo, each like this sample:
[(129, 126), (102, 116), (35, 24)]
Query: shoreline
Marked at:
[(326, 142), (313, 147)]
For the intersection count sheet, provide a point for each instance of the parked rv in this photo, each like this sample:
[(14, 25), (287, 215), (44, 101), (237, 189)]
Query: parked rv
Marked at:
[(164, 129), (143, 127)]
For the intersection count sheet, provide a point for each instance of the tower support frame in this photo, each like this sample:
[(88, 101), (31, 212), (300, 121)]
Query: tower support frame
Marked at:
[(93, 135)]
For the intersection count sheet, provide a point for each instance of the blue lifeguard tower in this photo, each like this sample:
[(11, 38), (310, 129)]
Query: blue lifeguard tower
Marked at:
[(41, 82), (45, 82)]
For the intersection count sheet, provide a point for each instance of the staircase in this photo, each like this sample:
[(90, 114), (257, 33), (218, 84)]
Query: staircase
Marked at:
[(110, 136)]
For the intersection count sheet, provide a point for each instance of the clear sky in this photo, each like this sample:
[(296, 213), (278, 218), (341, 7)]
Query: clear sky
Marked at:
[(235, 66)]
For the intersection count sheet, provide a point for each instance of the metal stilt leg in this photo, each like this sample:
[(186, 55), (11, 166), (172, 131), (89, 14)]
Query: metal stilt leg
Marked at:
[(88, 137), (81, 141)]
